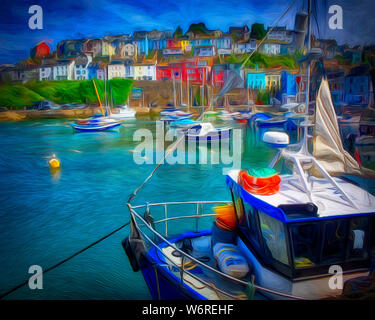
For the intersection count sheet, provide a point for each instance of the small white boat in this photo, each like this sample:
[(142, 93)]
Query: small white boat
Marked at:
[(227, 116), (124, 113), (206, 131)]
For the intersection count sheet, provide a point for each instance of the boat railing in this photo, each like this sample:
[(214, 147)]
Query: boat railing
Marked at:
[(155, 238)]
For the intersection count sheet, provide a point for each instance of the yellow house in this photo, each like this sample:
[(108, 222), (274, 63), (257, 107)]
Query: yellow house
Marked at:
[(273, 80), (183, 44), (107, 49)]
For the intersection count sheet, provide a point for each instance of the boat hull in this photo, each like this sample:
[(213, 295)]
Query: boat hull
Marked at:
[(220, 135), (95, 128)]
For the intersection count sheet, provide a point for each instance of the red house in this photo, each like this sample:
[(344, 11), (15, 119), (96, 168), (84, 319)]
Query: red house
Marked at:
[(173, 44), (163, 72), (41, 50), (188, 70), (219, 75)]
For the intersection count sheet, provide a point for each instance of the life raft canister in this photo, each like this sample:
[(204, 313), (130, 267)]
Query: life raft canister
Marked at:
[(262, 181)]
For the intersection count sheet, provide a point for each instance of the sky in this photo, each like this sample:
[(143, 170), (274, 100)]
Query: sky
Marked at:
[(73, 19)]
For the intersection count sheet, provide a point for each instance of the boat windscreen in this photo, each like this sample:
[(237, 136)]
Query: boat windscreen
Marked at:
[(328, 242)]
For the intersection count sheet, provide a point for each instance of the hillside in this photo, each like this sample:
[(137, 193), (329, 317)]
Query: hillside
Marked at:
[(19, 95)]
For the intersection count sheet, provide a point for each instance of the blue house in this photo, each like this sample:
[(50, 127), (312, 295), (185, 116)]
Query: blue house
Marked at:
[(256, 80), (224, 42), (204, 51), (357, 86), (288, 86), (203, 42)]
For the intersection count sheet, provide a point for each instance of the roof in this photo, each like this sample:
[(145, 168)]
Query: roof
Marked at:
[(325, 197)]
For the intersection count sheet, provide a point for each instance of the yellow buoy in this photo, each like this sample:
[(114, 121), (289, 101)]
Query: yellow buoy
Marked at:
[(54, 163)]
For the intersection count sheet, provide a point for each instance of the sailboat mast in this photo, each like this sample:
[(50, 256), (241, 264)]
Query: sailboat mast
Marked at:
[(174, 90), (308, 61), (308, 74)]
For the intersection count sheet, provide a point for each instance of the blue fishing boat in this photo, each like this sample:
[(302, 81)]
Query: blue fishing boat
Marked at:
[(279, 237)]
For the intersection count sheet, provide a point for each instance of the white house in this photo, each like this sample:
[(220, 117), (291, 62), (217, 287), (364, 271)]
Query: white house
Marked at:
[(101, 73), (277, 33), (129, 50), (272, 48), (244, 46), (45, 72), (116, 69), (129, 70), (144, 71), (64, 70), (81, 71)]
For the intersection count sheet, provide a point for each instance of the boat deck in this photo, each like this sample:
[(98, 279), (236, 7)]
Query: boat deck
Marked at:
[(329, 201)]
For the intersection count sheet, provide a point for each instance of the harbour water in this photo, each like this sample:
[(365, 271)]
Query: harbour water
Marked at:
[(46, 216)]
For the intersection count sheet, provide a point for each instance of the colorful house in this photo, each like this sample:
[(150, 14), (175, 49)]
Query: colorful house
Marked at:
[(163, 72), (224, 42), (288, 86), (204, 51), (41, 50), (273, 80), (64, 70), (256, 79), (46, 72), (173, 44), (116, 69), (172, 52), (144, 71), (219, 72), (81, 71), (357, 86), (336, 81), (129, 50), (203, 42), (241, 47), (185, 44)]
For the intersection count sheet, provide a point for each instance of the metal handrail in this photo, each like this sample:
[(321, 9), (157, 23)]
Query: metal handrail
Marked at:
[(177, 202), (132, 211)]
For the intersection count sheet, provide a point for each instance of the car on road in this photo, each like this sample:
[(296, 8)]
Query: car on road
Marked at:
[(43, 105)]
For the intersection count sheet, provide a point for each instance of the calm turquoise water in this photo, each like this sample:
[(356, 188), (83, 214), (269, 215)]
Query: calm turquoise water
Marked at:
[(46, 217)]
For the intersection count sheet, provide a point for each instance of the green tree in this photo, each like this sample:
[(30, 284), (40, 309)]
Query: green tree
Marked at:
[(257, 31), (178, 33)]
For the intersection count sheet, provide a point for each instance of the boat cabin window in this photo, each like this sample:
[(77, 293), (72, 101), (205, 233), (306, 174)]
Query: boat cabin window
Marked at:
[(273, 237), (334, 241), (338, 241), (305, 244), (250, 222), (360, 238)]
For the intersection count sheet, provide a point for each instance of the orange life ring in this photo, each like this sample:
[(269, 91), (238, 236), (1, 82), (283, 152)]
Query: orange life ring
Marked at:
[(259, 185)]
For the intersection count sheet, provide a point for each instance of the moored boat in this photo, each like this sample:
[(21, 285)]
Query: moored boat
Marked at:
[(206, 131)]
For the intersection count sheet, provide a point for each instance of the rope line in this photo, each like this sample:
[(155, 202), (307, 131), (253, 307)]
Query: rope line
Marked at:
[(66, 260), (169, 150)]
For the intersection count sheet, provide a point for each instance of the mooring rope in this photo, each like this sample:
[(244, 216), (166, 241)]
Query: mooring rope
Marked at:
[(66, 260)]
